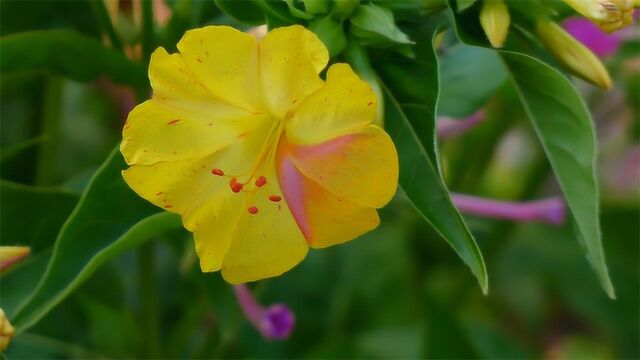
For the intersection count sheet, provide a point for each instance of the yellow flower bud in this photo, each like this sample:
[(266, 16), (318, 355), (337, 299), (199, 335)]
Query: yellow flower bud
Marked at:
[(11, 255), (495, 19), (609, 15), (572, 54), (6, 331)]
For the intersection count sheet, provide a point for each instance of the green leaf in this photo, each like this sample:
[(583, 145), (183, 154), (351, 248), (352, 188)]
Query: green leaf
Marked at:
[(564, 126), (331, 33), (109, 220), (410, 89), (277, 13), (297, 12), (68, 54), (315, 7), (565, 129), (469, 76), (246, 11), (20, 281), (465, 4), (31, 216), (375, 25)]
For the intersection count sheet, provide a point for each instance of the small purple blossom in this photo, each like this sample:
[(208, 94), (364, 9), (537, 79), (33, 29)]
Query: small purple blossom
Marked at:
[(276, 322)]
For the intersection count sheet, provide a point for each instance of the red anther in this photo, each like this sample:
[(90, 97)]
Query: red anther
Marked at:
[(217, 172), (261, 181), (236, 187), (252, 210), (275, 198)]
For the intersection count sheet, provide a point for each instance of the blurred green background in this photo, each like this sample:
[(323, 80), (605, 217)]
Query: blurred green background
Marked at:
[(397, 292)]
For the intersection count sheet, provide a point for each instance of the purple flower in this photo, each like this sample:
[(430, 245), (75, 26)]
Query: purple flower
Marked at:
[(274, 323), (601, 43)]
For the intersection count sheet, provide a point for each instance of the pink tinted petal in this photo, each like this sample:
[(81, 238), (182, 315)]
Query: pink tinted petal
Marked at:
[(291, 183)]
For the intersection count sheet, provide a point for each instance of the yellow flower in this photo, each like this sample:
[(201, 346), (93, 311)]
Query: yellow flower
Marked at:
[(259, 155), (609, 15)]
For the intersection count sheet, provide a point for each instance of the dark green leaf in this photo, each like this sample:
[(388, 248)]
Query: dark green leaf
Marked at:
[(565, 128), (109, 220), (411, 92), (331, 33), (468, 77), (68, 54), (375, 25), (31, 216), (465, 4)]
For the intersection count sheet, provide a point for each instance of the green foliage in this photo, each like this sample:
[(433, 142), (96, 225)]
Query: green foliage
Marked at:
[(331, 33), (565, 129), (373, 24), (410, 120), (113, 218), (247, 11), (68, 54), (469, 76), (31, 214), (398, 291)]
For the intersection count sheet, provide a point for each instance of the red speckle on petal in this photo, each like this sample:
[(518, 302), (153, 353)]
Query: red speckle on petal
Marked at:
[(370, 103), (275, 198), (252, 210), (168, 206), (160, 193), (199, 60), (217, 172), (172, 122), (235, 186), (261, 181)]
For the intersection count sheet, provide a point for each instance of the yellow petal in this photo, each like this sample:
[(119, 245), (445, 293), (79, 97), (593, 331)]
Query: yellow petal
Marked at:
[(360, 167), (189, 187), (290, 60), (156, 131), (323, 218), (267, 243), (174, 83), (343, 105), (225, 60)]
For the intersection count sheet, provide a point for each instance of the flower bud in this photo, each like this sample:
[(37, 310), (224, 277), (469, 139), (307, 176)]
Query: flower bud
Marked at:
[(572, 54), (495, 19), (6, 331), (609, 15), (11, 255)]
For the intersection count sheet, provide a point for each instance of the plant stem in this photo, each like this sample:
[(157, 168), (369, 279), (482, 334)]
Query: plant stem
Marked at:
[(148, 38), (149, 312), (105, 23), (51, 117)]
